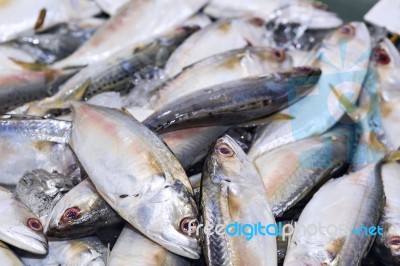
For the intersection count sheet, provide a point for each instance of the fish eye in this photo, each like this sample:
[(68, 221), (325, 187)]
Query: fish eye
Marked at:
[(225, 150), (279, 55), (188, 225), (394, 241), (348, 30), (71, 214), (382, 57), (35, 224)]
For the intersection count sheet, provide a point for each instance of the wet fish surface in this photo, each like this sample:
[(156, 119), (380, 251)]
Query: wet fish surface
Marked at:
[(232, 191), (235, 102), (150, 190)]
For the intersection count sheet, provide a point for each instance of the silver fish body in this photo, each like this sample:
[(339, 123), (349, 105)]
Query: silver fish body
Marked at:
[(221, 68), (18, 17), (150, 189), (339, 238), (78, 252), (21, 86), (57, 42), (218, 37), (120, 73), (132, 248), (343, 60), (387, 65), (235, 102), (34, 143), (191, 145), (232, 191), (80, 212), (386, 246), (142, 20), (312, 16), (290, 172)]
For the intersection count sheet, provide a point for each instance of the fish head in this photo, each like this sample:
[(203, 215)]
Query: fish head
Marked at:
[(387, 246), (386, 59), (271, 60), (77, 213), (169, 216), (348, 49), (227, 157), (22, 229)]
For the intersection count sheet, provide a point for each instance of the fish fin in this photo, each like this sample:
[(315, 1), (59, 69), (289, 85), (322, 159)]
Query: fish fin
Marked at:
[(276, 117), (125, 111), (40, 20), (350, 108), (142, 48), (77, 95), (373, 141), (393, 156), (30, 66), (334, 248)]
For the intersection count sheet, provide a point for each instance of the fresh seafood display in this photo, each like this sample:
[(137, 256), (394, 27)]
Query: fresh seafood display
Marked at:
[(197, 133)]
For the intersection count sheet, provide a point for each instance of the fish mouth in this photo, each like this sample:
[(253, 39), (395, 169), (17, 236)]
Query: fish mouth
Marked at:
[(31, 244)]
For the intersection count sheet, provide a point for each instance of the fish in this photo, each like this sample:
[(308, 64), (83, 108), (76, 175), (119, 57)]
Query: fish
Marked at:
[(143, 20), (18, 16), (150, 189), (232, 192), (84, 251), (221, 68), (235, 102), (290, 172), (8, 257), (59, 41), (80, 212), (40, 190), (339, 220), (191, 145), (386, 246), (218, 37), (18, 87), (314, 16), (135, 249), (387, 65), (10, 56), (119, 74), (343, 60), (30, 143), (19, 227)]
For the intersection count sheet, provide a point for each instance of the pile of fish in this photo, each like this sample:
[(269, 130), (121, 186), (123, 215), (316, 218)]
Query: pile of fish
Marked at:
[(139, 132)]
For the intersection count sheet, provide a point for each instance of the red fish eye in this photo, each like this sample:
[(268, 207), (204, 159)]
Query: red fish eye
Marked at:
[(225, 150), (71, 214), (394, 241), (279, 55), (35, 224), (188, 225), (382, 57), (348, 30)]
